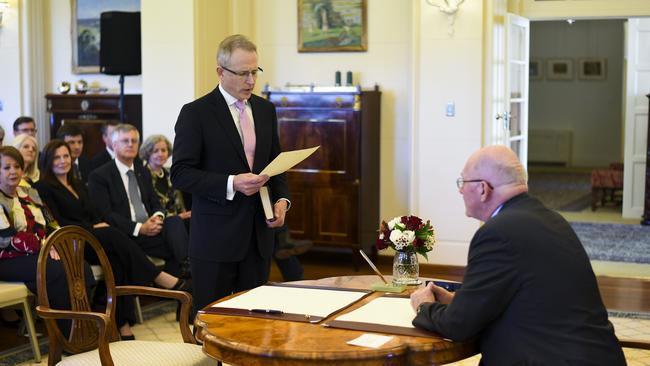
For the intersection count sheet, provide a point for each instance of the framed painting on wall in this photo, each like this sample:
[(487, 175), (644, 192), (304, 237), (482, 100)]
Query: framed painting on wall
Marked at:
[(535, 69), (85, 30), (592, 68), (559, 69), (332, 26)]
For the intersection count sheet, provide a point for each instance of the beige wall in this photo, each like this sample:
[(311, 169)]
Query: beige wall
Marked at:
[(10, 61)]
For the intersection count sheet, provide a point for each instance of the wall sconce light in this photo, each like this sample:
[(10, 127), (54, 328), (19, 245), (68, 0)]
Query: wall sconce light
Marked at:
[(4, 4), (450, 7)]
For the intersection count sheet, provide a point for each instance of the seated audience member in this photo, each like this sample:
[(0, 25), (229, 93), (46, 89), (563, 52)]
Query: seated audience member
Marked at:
[(24, 125), (155, 152), (2, 136), (107, 154), (68, 201), (24, 223), (28, 148), (73, 136), (529, 294), (124, 197)]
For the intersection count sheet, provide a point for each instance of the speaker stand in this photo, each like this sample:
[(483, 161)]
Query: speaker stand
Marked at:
[(121, 102)]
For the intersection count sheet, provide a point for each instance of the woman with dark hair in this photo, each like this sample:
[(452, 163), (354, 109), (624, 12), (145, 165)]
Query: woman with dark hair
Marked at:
[(24, 224), (69, 202)]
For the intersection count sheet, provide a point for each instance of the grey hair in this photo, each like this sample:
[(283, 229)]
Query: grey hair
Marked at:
[(147, 146), (123, 128), (230, 44)]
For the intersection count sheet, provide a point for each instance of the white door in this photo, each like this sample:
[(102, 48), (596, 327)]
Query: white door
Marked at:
[(515, 121), (637, 85)]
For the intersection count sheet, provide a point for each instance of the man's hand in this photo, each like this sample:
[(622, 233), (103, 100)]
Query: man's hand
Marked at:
[(442, 296), (54, 254), (152, 226), (279, 212), (249, 183), (425, 294), (100, 225), (185, 215)]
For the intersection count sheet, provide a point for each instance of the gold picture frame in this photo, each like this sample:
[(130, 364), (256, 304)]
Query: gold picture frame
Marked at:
[(332, 26)]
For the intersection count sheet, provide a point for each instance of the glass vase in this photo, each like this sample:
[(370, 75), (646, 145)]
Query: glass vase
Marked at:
[(406, 269)]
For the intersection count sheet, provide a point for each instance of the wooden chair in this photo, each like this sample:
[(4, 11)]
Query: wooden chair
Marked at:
[(13, 293), (94, 339)]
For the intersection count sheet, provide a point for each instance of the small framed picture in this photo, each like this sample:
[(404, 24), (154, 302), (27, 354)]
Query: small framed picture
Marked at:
[(559, 69), (535, 69), (592, 69), (332, 26)]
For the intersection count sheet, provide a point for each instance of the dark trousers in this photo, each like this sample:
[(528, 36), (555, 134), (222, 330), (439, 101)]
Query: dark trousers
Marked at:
[(23, 269), (170, 244), (213, 280), (129, 264)]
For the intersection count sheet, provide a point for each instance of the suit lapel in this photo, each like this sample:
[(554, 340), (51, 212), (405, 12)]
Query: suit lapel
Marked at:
[(261, 133), (118, 183), (224, 119)]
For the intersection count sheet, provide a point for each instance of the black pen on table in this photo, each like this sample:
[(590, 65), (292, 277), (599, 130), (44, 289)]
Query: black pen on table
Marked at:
[(267, 311)]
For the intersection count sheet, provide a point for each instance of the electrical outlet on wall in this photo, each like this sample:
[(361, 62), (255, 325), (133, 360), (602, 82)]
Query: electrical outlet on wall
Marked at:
[(1, 106)]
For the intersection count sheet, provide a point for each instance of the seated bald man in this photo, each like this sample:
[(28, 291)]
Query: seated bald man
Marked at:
[(529, 294)]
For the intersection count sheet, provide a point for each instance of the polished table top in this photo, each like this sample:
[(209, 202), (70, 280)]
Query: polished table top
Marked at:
[(239, 340)]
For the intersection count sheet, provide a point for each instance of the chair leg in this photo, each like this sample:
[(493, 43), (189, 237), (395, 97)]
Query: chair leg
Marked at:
[(29, 320), (138, 310)]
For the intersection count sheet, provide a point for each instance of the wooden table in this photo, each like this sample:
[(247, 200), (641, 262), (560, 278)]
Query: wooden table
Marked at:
[(254, 341)]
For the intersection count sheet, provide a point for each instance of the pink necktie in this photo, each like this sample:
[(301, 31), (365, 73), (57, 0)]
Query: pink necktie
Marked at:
[(248, 132)]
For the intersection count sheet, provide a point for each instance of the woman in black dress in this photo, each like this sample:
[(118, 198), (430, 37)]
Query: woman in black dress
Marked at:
[(69, 202)]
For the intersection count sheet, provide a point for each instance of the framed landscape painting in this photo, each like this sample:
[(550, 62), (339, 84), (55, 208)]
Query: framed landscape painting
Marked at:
[(332, 26), (592, 68), (85, 30)]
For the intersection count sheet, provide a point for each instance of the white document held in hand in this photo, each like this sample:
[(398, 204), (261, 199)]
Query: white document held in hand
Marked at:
[(283, 162)]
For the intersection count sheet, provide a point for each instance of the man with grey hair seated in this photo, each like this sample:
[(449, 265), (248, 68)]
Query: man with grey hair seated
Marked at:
[(529, 294), (123, 195)]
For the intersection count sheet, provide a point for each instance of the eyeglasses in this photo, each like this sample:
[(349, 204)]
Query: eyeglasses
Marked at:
[(128, 141), (460, 182), (27, 130), (244, 74)]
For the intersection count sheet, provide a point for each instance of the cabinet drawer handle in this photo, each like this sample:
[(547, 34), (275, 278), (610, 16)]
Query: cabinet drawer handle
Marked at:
[(328, 120)]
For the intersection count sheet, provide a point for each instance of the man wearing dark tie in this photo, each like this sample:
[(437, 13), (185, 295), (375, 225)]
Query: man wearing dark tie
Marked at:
[(73, 136), (223, 140), (124, 196)]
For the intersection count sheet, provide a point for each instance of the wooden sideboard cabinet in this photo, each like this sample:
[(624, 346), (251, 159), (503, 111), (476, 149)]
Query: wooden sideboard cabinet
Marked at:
[(335, 192), (89, 111)]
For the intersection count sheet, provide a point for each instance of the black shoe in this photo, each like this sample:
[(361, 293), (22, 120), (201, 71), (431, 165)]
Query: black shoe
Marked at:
[(127, 337), (294, 247), (183, 285)]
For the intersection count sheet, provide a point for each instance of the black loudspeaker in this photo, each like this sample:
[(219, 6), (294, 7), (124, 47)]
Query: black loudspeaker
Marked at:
[(120, 52)]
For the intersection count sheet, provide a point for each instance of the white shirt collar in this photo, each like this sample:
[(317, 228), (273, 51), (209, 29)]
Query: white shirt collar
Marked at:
[(122, 168), (496, 212), (230, 100)]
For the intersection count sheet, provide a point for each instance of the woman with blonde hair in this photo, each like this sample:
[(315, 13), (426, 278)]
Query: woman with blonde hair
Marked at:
[(28, 148)]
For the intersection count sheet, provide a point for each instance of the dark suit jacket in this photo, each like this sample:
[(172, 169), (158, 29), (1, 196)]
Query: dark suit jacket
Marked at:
[(85, 167), (99, 159), (208, 148), (66, 208), (529, 294), (111, 200)]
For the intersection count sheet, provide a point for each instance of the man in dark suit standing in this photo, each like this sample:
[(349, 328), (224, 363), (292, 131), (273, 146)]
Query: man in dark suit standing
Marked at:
[(123, 194), (73, 136), (223, 140), (529, 292)]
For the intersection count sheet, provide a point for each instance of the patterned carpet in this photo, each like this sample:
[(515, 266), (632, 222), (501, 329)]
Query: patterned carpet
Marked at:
[(615, 242), (561, 191)]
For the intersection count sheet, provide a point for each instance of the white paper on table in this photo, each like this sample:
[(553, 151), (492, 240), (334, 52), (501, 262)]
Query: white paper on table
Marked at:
[(287, 160), (393, 311), (293, 300), (370, 340)]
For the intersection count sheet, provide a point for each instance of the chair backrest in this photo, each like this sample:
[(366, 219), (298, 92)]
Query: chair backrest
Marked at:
[(70, 243)]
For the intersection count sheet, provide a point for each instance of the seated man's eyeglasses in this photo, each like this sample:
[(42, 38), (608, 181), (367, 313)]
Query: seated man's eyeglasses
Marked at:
[(244, 74), (27, 130), (460, 182)]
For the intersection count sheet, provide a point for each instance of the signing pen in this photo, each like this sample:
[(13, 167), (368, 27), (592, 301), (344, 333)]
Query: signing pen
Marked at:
[(267, 311)]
